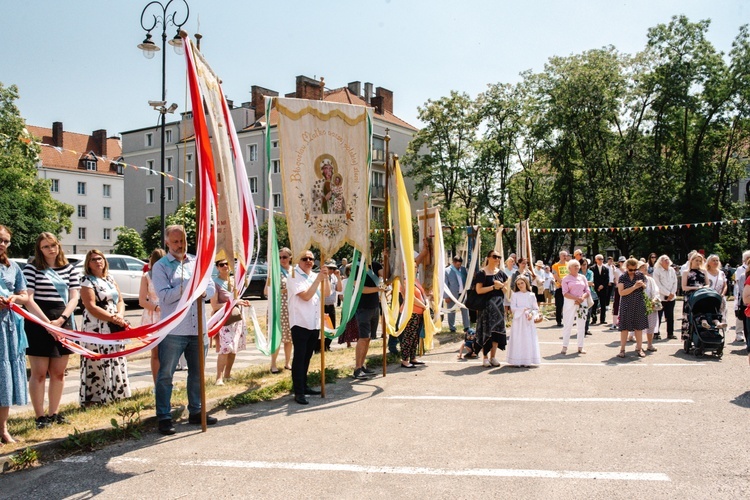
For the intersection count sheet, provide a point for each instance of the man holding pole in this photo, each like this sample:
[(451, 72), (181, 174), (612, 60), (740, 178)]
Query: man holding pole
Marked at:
[(170, 277)]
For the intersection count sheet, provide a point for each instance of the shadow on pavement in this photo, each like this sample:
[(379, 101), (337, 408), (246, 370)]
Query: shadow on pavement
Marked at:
[(742, 400)]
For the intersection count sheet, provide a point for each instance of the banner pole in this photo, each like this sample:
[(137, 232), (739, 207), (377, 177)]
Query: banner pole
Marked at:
[(322, 331), (386, 259), (201, 311)]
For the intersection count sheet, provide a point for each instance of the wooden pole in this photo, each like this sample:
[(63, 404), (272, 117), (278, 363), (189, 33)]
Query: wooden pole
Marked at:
[(322, 331), (201, 310), (386, 261)]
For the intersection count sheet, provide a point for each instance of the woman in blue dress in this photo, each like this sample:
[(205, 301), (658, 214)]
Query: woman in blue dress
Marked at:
[(13, 390)]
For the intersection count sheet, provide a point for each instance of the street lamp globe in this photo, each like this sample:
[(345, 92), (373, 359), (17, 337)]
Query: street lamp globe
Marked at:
[(148, 47), (176, 43)]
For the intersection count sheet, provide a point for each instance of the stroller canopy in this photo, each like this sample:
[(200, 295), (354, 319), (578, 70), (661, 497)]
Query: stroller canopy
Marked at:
[(705, 300)]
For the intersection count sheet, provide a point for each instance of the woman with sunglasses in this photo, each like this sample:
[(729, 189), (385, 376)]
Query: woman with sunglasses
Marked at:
[(102, 380), (631, 287), (54, 285), (285, 262), (491, 320), (306, 290), (231, 337), (13, 389), (694, 278)]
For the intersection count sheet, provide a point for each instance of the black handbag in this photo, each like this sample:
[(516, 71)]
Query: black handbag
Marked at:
[(475, 301), (739, 313)]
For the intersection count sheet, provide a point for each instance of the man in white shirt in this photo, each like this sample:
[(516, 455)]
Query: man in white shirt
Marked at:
[(739, 285), (666, 280)]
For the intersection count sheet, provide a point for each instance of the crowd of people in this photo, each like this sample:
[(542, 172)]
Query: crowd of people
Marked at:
[(506, 301)]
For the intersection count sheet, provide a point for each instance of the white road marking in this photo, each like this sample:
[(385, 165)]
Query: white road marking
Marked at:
[(543, 400), (429, 471), (568, 363)]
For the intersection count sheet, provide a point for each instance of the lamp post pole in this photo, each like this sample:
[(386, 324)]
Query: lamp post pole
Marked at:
[(161, 16)]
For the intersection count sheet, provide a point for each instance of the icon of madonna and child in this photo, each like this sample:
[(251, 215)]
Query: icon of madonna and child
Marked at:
[(328, 190)]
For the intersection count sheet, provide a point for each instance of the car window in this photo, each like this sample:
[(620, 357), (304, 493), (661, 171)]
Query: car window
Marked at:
[(117, 264), (133, 264)]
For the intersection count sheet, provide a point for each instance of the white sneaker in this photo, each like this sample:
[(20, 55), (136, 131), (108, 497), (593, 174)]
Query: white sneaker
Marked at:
[(494, 362), (739, 338), (486, 362)]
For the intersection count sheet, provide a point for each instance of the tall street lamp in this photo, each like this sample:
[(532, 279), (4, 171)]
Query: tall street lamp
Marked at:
[(157, 14)]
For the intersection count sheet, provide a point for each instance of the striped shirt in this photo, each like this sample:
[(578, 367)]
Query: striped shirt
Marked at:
[(43, 289)]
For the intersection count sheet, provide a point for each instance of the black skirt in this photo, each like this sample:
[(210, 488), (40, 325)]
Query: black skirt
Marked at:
[(41, 342)]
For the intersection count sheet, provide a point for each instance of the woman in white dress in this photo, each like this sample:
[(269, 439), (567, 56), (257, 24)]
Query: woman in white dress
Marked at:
[(718, 281), (523, 345), (652, 292)]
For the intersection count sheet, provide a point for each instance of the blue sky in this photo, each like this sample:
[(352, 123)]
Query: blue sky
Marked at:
[(76, 61)]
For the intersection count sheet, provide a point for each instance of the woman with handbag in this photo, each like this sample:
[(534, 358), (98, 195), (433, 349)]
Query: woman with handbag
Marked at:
[(578, 300), (232, 334), (54, 285), (652, 295), (102, 380), (491, 285)]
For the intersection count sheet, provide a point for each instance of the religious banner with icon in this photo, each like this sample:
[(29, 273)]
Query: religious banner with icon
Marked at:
[(325, 172)]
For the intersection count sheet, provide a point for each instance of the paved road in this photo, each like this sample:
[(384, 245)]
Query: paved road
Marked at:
[(579, 426)]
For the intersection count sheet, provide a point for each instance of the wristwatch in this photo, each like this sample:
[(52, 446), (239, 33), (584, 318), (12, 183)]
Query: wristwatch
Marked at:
[(65, 317)]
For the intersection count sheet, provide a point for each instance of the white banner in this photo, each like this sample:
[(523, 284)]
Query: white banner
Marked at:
[(325, 172)]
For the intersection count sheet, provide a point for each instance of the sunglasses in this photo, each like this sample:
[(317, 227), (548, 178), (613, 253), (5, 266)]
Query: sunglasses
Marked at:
[(307, 259), (96, 259), (283, 256), (495, 256), (631, 269), (222, 264)]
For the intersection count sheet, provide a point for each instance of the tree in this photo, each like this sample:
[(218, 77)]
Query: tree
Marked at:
[(129, 242), (151, 234), (26, 205), (282, 235), (185, 216), (441, 155)]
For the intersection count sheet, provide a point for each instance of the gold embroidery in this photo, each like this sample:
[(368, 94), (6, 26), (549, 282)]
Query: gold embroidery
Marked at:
[(319, 115)]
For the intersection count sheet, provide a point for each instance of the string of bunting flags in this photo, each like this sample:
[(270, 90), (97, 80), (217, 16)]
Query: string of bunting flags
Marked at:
[(660, 227)]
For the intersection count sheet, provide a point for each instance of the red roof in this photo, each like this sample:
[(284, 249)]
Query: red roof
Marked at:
[(345, 96), (75, 148)]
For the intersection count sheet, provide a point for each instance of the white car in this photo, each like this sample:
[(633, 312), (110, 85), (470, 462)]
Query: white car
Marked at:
[(126, 270)]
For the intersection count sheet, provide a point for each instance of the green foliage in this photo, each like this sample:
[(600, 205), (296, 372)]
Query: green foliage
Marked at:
[(26, 205), (129, 242), (130, 421), (151, 234), (601, 139), (282, 235), (185, 215), (28, 457), (85, 441)]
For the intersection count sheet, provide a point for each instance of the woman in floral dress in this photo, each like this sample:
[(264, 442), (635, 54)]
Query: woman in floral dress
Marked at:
[(104, 380)]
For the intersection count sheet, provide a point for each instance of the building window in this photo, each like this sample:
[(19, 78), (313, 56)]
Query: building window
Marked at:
[(168, 167), (149, 139), (276, 200), (82, 188), (81, 233), (253, 184), (274, 144), (150, 195), (150, 166), (81, 211), (107, 190), (376, 214), (252, 152), (106, 214), (189, 176), (170, 193), (107, 234), (91, 165), (54, 186), (167, 136), (189, 156), (276, 166)]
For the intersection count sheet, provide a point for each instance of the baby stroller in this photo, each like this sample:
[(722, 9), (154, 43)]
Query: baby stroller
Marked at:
[(706, 332)]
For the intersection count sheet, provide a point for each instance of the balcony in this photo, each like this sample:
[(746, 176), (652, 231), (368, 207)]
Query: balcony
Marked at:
[(377, 192)]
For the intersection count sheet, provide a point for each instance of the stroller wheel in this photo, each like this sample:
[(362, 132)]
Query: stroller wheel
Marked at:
[(686, 346), (698, 352), (719, 352)]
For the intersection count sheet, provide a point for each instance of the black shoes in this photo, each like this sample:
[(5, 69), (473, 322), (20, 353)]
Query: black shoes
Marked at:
[(301, 399), (360, 374), (165, 427), (43, 422), (196, 419), (309, 391), (367, 370)]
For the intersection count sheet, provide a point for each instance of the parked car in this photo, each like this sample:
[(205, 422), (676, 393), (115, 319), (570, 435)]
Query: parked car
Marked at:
[(126, 270), (257, 285)]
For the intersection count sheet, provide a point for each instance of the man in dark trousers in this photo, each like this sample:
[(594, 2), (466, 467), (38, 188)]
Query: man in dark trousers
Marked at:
[(601, 287)]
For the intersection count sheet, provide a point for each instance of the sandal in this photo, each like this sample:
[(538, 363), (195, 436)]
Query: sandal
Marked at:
[(564, 351), (622, 354), (640, 353), (581, 351), (651, 349)]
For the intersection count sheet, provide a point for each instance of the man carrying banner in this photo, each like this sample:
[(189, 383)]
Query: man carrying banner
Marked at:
[(170, 277)]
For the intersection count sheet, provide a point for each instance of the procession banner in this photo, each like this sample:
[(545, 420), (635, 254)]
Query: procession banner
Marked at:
[(433, 273), (325, 172)]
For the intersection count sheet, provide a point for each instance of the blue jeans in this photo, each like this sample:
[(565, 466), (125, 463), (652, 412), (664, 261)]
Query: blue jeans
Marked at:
[(170, 350), (464, 317)]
